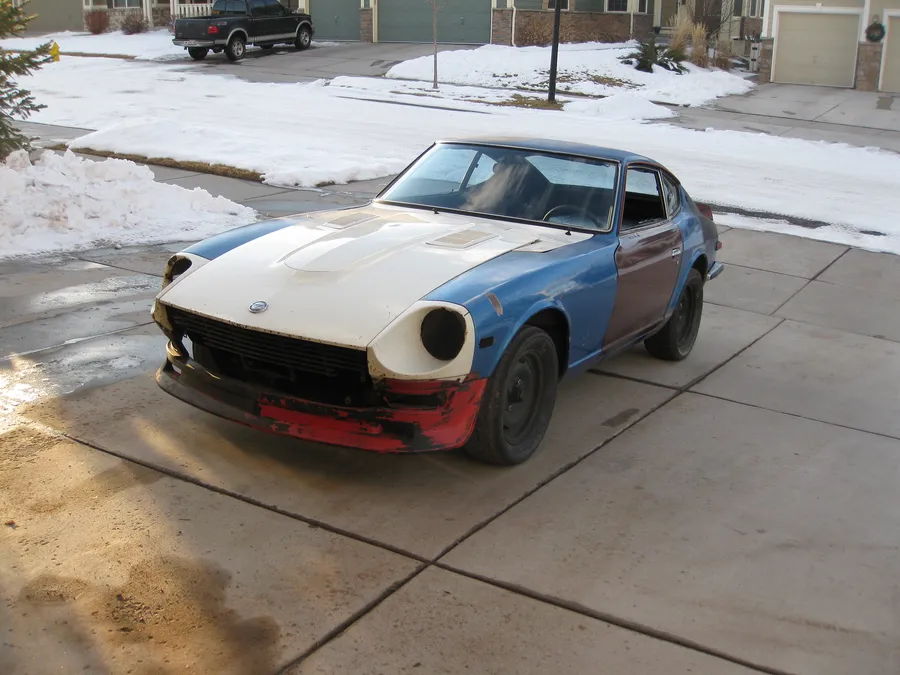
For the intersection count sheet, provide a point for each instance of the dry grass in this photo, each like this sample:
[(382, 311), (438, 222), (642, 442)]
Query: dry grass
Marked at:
[(682, 26), (724, 53), (699, 46), (609, 81), (519, 101), (197, 167)]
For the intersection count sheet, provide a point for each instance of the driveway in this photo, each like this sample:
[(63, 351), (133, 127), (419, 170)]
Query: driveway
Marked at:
[(730, 514), (866, 119)]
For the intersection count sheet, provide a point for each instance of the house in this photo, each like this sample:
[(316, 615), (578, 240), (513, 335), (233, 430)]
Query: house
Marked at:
[(830, 43)]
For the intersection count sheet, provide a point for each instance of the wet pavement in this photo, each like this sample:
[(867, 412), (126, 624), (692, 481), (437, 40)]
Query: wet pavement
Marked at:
[(733, 513)]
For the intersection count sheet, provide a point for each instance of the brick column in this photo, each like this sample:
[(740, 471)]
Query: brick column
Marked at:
[(365, 25), (765, 61), (868, 65), (501, 32)]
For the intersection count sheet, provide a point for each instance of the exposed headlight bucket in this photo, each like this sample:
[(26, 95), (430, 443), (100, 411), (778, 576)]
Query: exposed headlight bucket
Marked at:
[(443, 333), (175, 267)]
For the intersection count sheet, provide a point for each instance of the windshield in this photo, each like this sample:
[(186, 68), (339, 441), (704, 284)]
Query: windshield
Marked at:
[(524, 184)]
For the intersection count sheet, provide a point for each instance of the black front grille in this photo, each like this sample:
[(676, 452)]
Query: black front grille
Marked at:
[(257, 347)]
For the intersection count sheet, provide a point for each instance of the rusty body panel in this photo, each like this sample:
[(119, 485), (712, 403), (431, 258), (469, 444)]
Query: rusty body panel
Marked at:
[(648, 261), (429, 415)]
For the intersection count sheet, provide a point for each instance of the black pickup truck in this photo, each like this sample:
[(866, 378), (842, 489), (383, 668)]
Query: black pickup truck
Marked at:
[(234, 24)]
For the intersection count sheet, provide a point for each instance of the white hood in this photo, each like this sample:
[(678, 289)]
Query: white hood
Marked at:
[(342, 276)]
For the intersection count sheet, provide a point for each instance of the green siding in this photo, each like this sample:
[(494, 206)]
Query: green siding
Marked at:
[(335, 19), (55, 15), (459, 21), (529, 4), (590, 6)]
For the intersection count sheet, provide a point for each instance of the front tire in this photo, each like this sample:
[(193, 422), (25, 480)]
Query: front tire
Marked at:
[(236, 48), (198, 53), (676, 339), (304, 38), (518, 401)]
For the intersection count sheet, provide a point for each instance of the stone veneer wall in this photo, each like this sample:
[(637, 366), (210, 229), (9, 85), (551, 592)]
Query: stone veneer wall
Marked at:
[(365, 25), (765, 61), (161, 16), (536, 27), (868, 65), (750, 27)]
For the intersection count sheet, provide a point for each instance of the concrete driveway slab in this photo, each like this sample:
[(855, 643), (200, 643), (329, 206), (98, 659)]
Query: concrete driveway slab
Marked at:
[(752, 290), (723, 333), (444, 624), (818, 373), (419, 503), (780, 253), (762, 535), (143, 259), (866, 312), (106, 566), (865, 270)]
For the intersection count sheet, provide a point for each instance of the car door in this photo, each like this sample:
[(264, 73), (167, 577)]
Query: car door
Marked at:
[(285, 22), (261, 23), (648, 257)]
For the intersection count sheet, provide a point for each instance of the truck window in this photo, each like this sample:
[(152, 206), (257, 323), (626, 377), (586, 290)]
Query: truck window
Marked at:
[(229, 8)]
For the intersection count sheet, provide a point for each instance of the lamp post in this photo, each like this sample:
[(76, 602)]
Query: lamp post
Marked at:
[(554, 52)]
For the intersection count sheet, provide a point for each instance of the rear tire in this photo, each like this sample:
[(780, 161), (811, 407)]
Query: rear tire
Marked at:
[(198, 53), (518, 401), (304, 38), (236, 48), (676, 339)]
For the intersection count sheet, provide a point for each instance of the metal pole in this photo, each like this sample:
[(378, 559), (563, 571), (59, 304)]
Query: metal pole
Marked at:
[(554, 52)]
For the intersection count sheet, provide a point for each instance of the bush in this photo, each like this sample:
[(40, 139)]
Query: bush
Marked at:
[(134, 22), (699, 47), (97, 21), (648, 54), (681, 25), (724, 54)]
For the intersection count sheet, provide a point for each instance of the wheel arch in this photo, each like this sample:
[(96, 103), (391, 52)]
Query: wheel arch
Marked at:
[(701, 264), (553, 321), (300, 25), (236, 31)]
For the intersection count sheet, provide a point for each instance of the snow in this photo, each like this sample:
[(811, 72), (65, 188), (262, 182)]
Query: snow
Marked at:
[(359, 128), (590, 68), (65, 203), (154, 45)]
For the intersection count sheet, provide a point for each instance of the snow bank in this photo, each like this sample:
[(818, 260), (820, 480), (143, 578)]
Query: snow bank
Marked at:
[(589, 68), (306, 134), (64, 202), (154, 44)]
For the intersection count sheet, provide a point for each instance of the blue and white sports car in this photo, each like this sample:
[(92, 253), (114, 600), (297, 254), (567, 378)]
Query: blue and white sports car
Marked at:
[(443, 313)]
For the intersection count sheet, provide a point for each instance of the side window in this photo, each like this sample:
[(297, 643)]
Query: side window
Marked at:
[(258, 8), (236, 7), (673, 197), (484, 169), (643, 203), (274, 8)]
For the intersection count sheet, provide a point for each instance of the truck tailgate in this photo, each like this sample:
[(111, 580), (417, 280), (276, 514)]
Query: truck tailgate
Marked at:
[(191, 29)]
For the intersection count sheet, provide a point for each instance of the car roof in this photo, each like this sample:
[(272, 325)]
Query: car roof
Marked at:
[(552, 145)]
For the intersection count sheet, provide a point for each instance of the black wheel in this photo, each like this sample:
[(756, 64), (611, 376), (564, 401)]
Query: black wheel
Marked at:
[(518, 401), (304, 38), (236, 48), (676, 339), (198, 53)]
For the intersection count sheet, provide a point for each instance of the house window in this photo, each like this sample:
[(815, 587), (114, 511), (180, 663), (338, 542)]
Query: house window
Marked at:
[(753, 8), (122, 4), (645, 7), (616, 5), (762, 7), (738, 9), (563, 4)]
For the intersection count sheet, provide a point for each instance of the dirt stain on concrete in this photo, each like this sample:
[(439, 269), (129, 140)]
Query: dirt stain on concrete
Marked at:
[(621, 418), (169, 617)]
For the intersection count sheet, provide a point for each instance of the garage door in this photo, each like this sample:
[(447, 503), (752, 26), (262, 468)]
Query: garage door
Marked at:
[(890, 76), (55, 15), (459, 21), (816, 49), (335, 19)]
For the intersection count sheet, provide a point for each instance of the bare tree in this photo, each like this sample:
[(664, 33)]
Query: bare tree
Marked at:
[(436, 7), (714, 14)]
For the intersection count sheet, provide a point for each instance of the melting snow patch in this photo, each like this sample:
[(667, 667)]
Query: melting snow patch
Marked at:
[(64, 203)]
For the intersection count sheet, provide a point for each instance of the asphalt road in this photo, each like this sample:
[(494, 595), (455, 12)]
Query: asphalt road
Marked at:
[(730, 514)]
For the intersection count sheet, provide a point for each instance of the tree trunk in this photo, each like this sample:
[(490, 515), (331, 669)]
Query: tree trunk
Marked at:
[(434, 16)]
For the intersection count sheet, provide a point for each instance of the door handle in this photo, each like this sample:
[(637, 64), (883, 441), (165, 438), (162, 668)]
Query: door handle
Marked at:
[(676, 252)]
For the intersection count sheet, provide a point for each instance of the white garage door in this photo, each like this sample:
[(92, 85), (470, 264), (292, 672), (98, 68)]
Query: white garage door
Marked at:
[(816, 49), (890, 74)]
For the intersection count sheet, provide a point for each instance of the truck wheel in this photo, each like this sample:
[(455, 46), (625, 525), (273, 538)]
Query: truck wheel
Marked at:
[(676, 339), (304, 38), (198, 53), (236, 48), (518, 401)]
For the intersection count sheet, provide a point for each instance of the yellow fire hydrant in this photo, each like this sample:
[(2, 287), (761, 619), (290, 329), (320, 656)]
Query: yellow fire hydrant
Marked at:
[(54, 51)]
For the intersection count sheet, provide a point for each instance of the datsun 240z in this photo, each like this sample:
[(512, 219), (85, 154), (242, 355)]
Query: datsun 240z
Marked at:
[(443, 313)]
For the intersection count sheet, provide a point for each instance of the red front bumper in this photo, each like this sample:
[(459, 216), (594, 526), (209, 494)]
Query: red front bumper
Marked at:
[(380, 429)]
